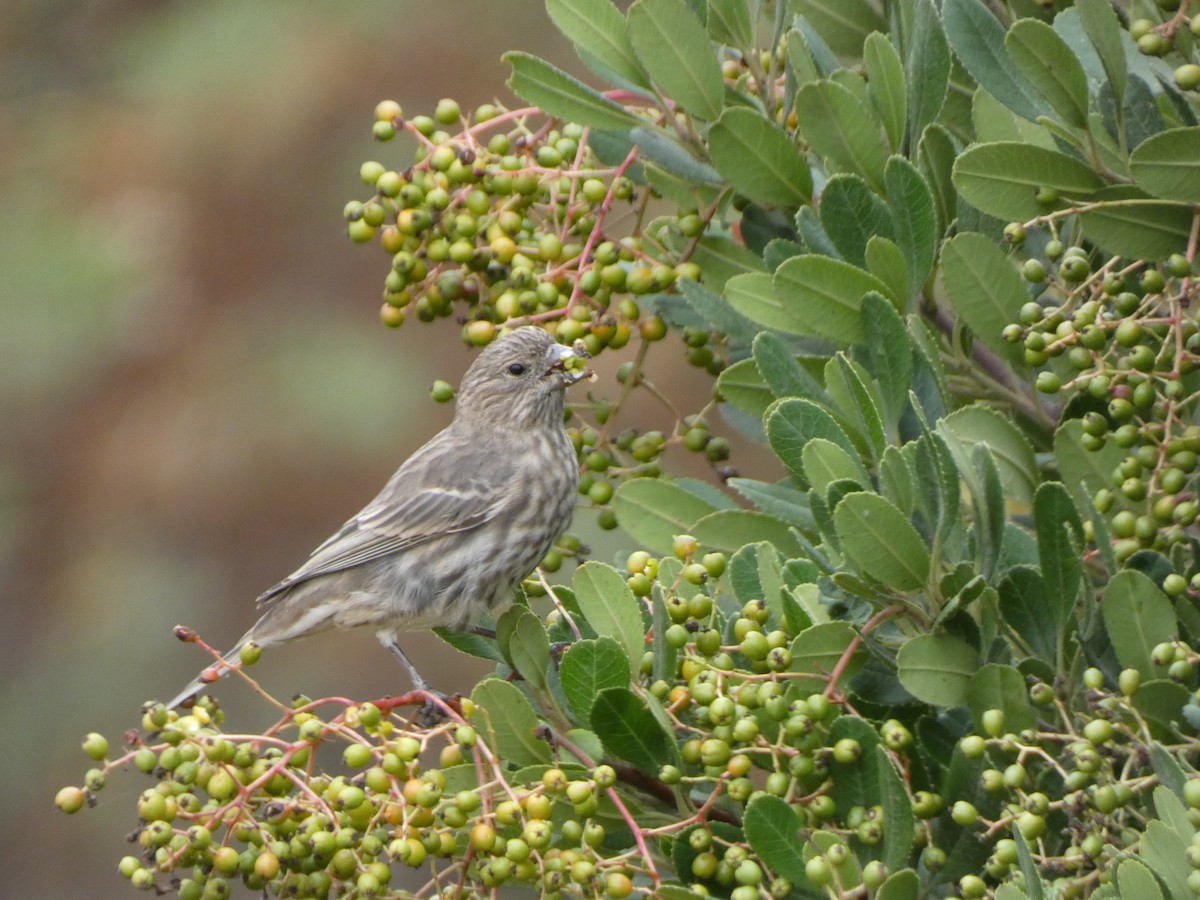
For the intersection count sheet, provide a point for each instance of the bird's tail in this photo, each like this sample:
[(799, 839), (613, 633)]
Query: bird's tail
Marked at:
[(230, 662)]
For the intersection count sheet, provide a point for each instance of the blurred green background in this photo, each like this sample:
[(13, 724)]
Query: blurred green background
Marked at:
[(194, 387)]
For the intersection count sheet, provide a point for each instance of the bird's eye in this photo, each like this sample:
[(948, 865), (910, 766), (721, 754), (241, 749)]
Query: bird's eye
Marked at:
[(516, 369)]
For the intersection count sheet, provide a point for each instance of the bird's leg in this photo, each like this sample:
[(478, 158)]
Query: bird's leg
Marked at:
[(388, 639)]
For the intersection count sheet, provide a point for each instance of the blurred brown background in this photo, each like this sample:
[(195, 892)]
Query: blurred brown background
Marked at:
[(194, 387)]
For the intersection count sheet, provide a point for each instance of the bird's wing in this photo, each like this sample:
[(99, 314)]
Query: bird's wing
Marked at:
[(416, 506)]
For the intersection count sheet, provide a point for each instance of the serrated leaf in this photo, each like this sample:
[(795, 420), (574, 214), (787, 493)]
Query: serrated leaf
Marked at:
[(844, 24), (1002, 178), (559, 94), (1150, 229), (1051, 67), (1103, 29), (926, 67), (838, 127), (851, 214), (886, 262), (590, 666), (792, 423), (1135, 880), (901, 885), (508, 723), (729, 23), (964, 428), (1023, 601), (1001, 687), (986, 290), (609, 606), (742, 387), (856, 400), (783, 502), (1168, 165), (758, 158), (470, 643), (729, 529), (889, 354), (886, 86), (817, 650), (1083, 471), (671, 44), (1060, 542), (937, 668), (773, 833), (783, 374), (935, 158), (881, 542), (630, 731), (1165, 853), (597, 27), (720, 260), (911, 204), (755, 573), (825, 463), (716, 312), (669, 155), (897, 812), (529, 648), (818, 296), (1138, 617), (653, 511), (978, 41)]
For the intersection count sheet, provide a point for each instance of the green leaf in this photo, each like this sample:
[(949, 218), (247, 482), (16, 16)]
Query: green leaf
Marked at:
[(978, 41), (672, 157), (886, 87), (1165, 853), (990, 512), (1060, 540), (881, 542), (529, 648), (855, 783), (889, 354), (851, 214), (901, 885), (1137, 616), (1170, 774), (926, 68), (856, 398), (994, 123), (742, 387), (1002, 178), (559, 94), (844, 24), (935, 158), (1163, 703), (728, 529), (630, 730), (971, 425), (1135, 880), (1033, 879), (838, 127), (986, 289), (714, 310), (470, 643), (673, 47), (782, 373), (773, 832), (783, 502), (1001, 687), (1051, 67), (729, 23), (590, 666), (896, 479), (508, 723), (1169, 806), (897, 812), (610, 607), (653, 511), (758, 158), (818, 296), (598, 28), (1083, 471), (825, 463), (755, 573), (817, 650), (792, 423), (915, 221), (1023, 601), (720, 260), (1126, 221), (937, 668), (1168, 165), (1104, 31), (886, 262)]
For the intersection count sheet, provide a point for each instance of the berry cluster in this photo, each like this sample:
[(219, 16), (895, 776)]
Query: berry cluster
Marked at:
[(1122, 339)]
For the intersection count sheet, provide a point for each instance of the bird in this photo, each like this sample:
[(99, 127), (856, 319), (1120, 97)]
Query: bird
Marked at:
[(458, 525)]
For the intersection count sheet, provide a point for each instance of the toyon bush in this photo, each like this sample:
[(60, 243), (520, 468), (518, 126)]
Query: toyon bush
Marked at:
[(941, 258)]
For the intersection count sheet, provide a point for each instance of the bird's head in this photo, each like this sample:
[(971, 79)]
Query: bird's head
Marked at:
[(520, 379)]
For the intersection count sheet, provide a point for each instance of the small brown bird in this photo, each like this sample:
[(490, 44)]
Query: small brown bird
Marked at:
[(462, 521)]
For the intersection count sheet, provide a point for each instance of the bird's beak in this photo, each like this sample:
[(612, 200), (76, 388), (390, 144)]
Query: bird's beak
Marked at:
[(570, 362)]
